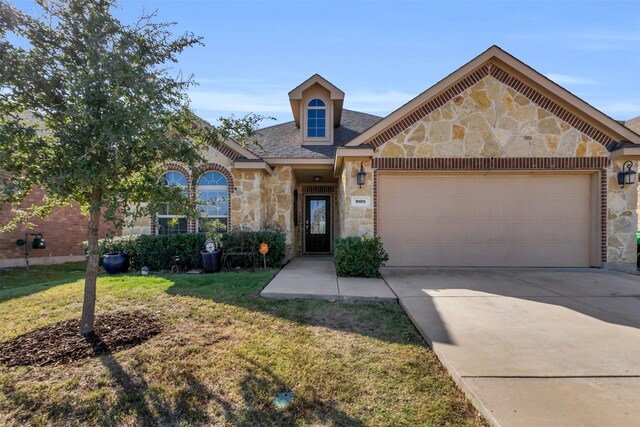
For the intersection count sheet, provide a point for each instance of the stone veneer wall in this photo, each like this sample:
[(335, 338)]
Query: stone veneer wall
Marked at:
[(354, 221), (622, 220), (247, 207), (263, 199), (278, 202), (491, 119)]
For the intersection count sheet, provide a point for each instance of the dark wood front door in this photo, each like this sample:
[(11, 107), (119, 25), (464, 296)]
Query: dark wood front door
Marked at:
[(317, 224)]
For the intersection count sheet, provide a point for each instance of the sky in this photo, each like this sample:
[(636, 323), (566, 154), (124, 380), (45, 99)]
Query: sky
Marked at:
[(384, 53)]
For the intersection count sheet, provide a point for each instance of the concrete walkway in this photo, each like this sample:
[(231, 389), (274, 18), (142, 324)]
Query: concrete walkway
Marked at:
[(533, 347), (315, 278)]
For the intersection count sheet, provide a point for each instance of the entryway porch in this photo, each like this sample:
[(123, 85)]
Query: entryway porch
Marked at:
[(314, 277)]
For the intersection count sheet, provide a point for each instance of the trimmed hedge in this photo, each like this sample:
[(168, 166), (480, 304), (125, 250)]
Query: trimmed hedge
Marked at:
[(158, 252), (359, 256)]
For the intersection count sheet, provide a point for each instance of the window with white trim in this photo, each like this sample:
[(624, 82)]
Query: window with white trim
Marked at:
[(213, 190), (168, 221), (316, 119)]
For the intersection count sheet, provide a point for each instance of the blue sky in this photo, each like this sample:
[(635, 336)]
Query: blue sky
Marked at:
[(383, 53)]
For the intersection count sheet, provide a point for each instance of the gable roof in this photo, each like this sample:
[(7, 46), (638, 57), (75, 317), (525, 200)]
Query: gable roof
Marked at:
[(284, 140), (506, 68), (335, 94)]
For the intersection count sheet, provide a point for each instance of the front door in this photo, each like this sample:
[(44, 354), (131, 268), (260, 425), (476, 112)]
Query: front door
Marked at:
[(317, 224)]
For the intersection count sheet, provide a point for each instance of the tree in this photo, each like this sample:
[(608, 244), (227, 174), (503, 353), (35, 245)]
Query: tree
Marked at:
[(110, 113)]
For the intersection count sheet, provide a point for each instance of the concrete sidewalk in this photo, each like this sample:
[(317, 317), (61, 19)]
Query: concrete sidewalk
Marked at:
[(315, 278)]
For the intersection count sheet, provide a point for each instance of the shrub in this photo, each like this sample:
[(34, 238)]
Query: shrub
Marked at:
[(359, 256), (275, 240), (159, 252)]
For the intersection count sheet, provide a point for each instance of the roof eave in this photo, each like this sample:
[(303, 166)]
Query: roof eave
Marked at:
[(607, 124)]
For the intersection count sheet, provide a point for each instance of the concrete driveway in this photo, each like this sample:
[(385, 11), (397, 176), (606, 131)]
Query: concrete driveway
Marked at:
[(533, 347)]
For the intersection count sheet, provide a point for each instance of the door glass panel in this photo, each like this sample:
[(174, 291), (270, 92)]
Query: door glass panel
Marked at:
[(318, 216)]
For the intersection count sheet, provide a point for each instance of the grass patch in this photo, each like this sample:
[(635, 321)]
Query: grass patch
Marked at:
[(223, 354)]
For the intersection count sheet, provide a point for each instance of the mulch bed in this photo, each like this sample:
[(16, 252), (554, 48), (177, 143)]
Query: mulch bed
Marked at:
[(62, 343)]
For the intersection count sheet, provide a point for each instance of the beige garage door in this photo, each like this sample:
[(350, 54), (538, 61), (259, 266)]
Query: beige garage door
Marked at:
[(496, 219)]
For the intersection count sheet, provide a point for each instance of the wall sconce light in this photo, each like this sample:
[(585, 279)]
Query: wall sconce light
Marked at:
[(316, 178), (37, 242), (627, 175), (361, 175)]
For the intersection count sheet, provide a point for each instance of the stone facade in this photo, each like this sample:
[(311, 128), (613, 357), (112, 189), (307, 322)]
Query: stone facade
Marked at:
[(492, 120), (263, 200), (622, 220), (247, 208), (354, 221)]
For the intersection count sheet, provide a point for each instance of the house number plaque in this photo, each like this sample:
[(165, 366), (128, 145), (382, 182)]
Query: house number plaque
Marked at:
[(362, 201)]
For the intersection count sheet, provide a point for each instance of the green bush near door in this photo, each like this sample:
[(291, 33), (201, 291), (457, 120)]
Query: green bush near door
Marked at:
[(359, 256)]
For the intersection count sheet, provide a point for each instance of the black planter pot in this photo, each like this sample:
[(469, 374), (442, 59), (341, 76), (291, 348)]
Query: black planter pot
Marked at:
[(116, 262), (211, 261)]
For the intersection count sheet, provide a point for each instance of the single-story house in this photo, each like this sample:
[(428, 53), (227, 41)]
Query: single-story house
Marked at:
[(494, 165)]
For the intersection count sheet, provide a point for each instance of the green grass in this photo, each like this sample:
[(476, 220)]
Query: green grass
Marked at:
[(222, 356)]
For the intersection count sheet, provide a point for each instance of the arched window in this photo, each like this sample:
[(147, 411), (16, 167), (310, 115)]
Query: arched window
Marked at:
[(213, 190), (316, 119), (168, 221)]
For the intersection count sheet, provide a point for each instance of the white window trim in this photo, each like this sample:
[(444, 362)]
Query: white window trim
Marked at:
[(325, 140)]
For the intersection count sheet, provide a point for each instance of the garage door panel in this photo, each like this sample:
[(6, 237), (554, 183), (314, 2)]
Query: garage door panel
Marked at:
[(486, 219)]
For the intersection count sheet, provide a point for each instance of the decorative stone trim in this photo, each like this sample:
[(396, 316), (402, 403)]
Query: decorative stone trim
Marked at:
[(504, 77), (214, 167), (514, 163), (502, 163)]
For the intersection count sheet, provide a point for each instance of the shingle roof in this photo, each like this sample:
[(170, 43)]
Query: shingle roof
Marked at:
[(633, 124), (284, 140)]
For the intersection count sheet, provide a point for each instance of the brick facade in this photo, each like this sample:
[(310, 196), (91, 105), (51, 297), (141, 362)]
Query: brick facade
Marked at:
[(63, 230)]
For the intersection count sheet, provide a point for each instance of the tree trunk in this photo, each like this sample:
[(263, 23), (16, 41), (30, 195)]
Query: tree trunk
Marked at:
[(89, 305)]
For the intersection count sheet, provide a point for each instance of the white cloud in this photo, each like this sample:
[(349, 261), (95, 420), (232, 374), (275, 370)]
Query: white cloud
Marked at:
[(566, 79)]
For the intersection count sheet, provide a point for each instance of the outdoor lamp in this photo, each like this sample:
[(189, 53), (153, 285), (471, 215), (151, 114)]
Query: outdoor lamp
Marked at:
[(627, 175), (38, 242), (362, 174)]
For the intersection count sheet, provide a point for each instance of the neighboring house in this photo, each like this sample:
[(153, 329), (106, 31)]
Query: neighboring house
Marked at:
[(63, 231), (495, 165)]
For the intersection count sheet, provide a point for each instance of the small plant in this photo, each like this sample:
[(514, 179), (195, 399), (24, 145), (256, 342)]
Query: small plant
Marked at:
[(214, 230), (359, 256)]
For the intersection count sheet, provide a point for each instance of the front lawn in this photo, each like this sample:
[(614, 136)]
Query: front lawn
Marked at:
[(222, 356)]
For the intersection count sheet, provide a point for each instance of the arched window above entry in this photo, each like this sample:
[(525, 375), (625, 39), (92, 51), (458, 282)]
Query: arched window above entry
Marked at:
[(316, 119), (213, 191)]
